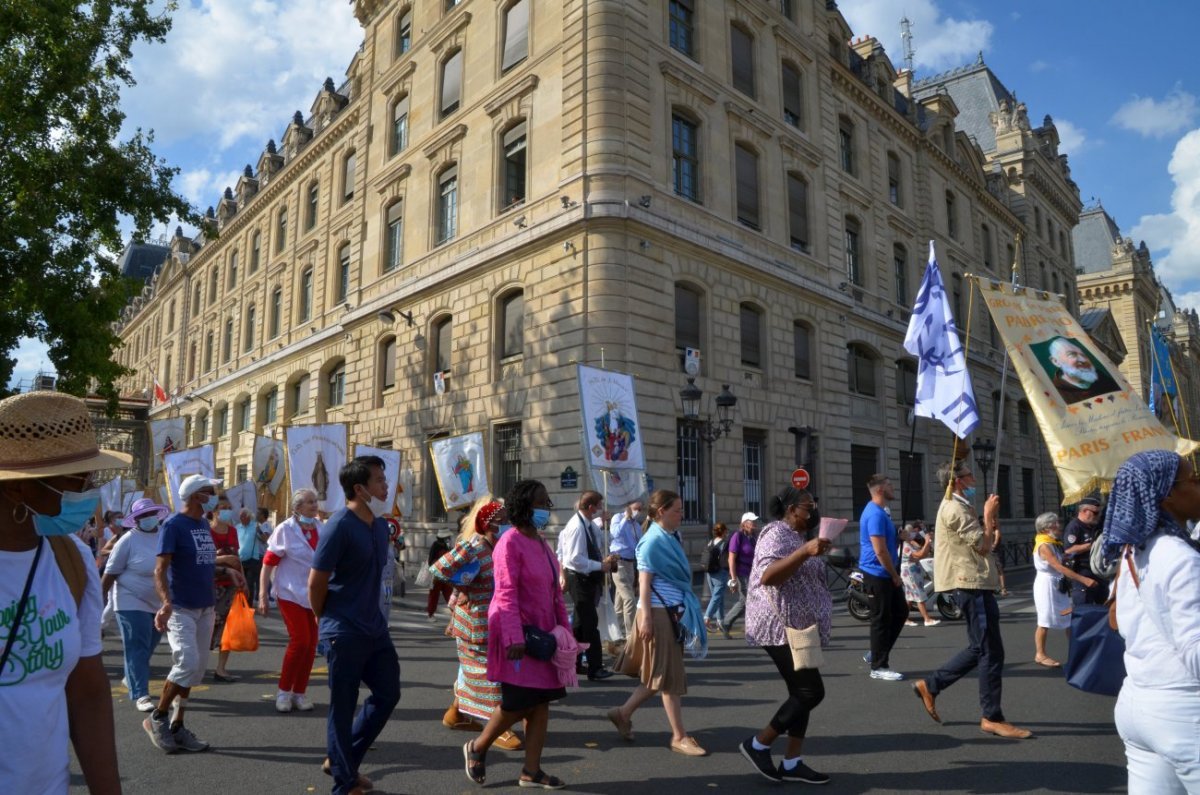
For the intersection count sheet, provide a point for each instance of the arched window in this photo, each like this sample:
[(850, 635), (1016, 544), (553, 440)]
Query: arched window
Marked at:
[(741, 51), (393, 249), (213, 284), (400, 125), (752, 335), (798, 231), (306, 295), (685, 158), (171, 317), (793, 97), (906, 382), (233, 270), (348, 166), (854, 262), (512, 324), (900, 266), (201, 427), (343, 272), (255, 249), (281, 224), (335, 385), (447, 204), (516, 35), (894, 181), (746, 163), (951, 215), (276, 312), (191, 366), (311, 205), (269, 404), (514, 148), (227, 341), (208, 351), (249, 333), (802, 335), (441, 349), (861, 366), (387, 363), (846, 152), (689, 317), (404, 32), (985, 240), (451, 94), (298, 395)]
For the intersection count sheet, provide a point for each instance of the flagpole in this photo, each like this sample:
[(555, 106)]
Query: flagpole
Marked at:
[(1015, 283)]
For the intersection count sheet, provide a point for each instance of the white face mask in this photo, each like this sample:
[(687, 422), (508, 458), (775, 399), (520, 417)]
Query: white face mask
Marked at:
[(379, 507)]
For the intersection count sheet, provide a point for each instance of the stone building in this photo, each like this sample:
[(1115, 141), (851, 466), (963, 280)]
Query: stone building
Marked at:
[(499, 191)]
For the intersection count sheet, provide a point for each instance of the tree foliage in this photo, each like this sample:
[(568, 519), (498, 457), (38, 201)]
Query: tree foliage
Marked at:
[(67, 179)]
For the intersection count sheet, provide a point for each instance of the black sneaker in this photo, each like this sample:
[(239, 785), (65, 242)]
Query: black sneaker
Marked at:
[(760, 759), (802, 772)]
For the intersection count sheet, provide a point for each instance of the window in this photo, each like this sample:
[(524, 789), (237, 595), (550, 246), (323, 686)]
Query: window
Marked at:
[(864, 462), (447, 217), (1037, 220), (208, 351), (202, 428), (348, 165), (682, 34), (197, 294), (227, 341), (336, 395), (900, 266), (248, 336), (255, 246), (997, 415), (785, 8), (512, 325), (985, 239), (244, 414), (514, 148), (516, 35), (747, 186), (404, 33), (912, 485), (854, 269), (451, 83), (450, 4), (951, 215), (685, 161), (387, 368), (802, 350), (1004, 489), (281, 221), (400, 125), (688, 317), (276, 311), (1024, 427), (213, 283), (233, 271), (688, 466), (506, 442), (846, 145), (798, 213), (191, 367), (443, 331), (956, 285), (343, 272), (243, 473), (310, 207), (171, 314), (270, 403), (741, 47), (793, 98), (752, 321), (1028, 495), (754, 445), (393, 253), (298, 396), (1010, 254), (906, 383), (222, 422), (306, 295), (861, 371), (893, 168)]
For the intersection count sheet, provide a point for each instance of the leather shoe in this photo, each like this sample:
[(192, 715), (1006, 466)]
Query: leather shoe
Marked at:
[(688, 747), (600, 675), (1002, 728), (624, 726), (927, 699), (508, 741)]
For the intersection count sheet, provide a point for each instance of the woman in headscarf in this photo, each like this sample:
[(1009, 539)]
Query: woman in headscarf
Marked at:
[(468, 567), (1155, 494), (655, 655), (1053, 606)]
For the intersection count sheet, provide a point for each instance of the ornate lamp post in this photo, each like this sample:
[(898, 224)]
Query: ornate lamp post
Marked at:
[(707, 429), (984, 455)]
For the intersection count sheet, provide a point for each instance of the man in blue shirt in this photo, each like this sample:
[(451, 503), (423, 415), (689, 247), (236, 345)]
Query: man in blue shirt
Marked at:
[(344, 590), (626, 529), (878, 560)]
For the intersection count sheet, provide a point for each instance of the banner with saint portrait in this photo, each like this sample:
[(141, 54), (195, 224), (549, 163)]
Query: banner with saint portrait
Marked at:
[(391, 470), (460, 466), (611, 433), (181, 463), (316, 453), (268, 466), (166, 436), (619, 486), (1089, 415)]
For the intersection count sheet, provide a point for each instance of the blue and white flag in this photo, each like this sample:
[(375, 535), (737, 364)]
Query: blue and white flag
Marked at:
[(1162, 373), (944, 389)]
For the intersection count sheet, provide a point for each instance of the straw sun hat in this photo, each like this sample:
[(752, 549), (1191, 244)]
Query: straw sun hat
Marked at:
[(48, 433)]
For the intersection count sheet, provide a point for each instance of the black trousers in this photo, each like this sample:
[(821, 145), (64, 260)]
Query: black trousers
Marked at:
[(985, 650), (805, 692), (889, 611), (584, 591)]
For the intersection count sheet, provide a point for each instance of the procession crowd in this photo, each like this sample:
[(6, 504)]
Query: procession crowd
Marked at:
[(525, 615)]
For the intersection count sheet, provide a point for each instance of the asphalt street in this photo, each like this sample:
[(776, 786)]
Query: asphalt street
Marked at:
[(870, 736)]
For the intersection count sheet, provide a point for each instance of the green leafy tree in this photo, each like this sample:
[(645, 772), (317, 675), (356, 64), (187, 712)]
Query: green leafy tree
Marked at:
[(67, 180)]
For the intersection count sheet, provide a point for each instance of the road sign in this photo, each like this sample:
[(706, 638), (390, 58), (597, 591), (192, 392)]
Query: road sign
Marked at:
[(800, 478)]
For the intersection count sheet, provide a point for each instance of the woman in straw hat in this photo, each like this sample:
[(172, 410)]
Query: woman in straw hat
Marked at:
[(52, 681)]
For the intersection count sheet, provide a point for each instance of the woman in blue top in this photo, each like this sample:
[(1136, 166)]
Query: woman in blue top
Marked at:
[(654, 655)]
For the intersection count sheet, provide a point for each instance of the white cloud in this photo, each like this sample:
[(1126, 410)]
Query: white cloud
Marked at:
[(1158, 119), (1174, 237), (1072, 139), (32, 357), (941, 42), (1188, 300), (1038, 66), (202, 187)]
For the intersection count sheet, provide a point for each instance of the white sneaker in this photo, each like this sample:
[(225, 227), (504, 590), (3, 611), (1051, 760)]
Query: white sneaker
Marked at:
[(910, 623), (933, 622), (301, 702), (145, 704), (283, 702), (887, 674)]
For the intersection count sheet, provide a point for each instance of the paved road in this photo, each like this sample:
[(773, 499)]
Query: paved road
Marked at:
[(870, 736)]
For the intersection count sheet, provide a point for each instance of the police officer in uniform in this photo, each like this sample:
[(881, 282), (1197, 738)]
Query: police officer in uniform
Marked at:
[(1078, 537)]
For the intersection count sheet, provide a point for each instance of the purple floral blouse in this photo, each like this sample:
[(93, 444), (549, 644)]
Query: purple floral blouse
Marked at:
[(803, 600)]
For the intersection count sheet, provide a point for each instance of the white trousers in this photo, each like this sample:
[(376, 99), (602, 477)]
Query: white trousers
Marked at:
[(1161, 731)]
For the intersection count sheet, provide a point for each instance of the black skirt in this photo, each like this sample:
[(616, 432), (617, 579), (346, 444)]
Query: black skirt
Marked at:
[(518, 698)]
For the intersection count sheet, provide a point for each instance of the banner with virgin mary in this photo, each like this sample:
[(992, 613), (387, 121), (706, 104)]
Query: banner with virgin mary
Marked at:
[(612, 435)]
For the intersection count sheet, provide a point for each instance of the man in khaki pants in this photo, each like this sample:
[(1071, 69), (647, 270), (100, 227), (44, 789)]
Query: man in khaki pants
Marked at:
[(624, 532)]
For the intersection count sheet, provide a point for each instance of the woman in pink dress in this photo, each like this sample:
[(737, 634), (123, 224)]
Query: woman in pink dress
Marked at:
[(527, 595)]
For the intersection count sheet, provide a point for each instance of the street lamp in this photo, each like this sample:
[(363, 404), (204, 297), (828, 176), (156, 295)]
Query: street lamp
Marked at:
[(984, 451), (707, 429)]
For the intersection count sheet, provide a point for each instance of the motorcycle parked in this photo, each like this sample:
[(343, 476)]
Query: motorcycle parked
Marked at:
[(857, 601)]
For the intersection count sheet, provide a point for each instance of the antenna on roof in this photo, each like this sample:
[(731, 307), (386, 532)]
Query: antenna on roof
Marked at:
[(906, 37)]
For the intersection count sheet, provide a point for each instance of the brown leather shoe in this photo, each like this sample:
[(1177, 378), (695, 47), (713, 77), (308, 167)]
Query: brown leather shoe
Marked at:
[(453, 719), (922, 690), (1002, 728), (688, 747), (508, 741), (624, 727)]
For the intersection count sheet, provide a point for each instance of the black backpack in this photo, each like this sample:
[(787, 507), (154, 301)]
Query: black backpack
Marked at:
[(717, 552)]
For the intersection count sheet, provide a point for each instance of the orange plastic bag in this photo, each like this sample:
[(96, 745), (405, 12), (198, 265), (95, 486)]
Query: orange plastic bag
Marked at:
[(241, 633)]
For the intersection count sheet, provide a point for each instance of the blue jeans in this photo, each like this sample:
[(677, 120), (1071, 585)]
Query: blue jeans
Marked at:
[(139, 638), (350, 731), (717, 584), (985, 649)]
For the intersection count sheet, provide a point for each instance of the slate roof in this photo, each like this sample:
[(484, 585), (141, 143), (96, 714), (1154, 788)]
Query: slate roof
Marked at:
[(141, 260), (977, 92), (1093, 240), (1091, 318)]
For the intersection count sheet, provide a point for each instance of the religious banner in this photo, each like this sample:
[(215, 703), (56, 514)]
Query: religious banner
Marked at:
[(460, 465), (129, 498), (268, 468), (612, 435), (166, 436), (404, 495), (391, 470), (619, 486), (110, 495), (243, 495), (316, 453), (181, 463), (1090, 417)]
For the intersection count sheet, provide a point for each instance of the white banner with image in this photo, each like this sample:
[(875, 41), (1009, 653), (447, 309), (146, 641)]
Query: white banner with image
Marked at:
[(316, 453), (460, 465), (166, 436), (181, 463), (612, 435)]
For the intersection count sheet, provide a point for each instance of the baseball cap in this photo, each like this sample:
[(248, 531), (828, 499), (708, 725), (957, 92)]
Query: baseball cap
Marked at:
[(749, 516), (193, 483)]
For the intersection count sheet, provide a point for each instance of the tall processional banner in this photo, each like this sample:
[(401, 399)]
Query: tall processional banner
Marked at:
[(166, 436), (268, 464), (243, 495), (460, 465), (181, 463), (391, 469), (1089, 415), (316, 453), (612, 435)]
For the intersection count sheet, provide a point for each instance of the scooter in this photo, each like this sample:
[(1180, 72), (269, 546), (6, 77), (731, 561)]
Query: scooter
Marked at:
[(858, 603)]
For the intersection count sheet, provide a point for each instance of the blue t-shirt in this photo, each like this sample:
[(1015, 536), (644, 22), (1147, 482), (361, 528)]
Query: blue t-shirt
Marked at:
[(875, 522), (193, 560), (249, 547), (354, 553)]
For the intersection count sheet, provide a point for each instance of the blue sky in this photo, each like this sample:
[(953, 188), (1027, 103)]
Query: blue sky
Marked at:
[(1120, 87)]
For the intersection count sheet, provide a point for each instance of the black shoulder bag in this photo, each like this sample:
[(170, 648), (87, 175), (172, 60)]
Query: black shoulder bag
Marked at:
[(540, 644), (16, 624)]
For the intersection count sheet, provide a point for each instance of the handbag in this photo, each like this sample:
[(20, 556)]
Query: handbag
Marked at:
[(540, 644), (805, 644), (424, 578), (1096, 657), (240, 633), (675, 613)]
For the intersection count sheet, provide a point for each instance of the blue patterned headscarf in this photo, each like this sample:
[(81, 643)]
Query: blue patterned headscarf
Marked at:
[(1134, 514)]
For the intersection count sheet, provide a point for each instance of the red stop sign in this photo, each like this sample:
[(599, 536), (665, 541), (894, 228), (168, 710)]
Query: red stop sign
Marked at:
[(800, 478)]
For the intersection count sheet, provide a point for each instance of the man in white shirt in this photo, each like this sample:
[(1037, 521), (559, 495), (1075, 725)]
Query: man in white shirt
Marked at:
[(580, 548), (625, 531)]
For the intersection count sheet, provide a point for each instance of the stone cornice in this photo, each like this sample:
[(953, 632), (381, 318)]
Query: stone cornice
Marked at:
[(701, 85), (396, 171), (524, 86), (398, 74), (455, 133), (868, 100), (749, 117), (447, 29)]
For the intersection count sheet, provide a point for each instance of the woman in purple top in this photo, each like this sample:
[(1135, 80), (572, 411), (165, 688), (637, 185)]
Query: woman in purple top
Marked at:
[(527, 593), (787, 581)]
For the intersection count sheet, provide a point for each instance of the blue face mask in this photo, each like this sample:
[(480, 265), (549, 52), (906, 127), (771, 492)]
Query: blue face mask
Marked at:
[(306, 520), (148, 523), (73, 514), (969, 492), (541, 518), (210, 503), (225, 515)]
